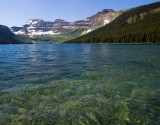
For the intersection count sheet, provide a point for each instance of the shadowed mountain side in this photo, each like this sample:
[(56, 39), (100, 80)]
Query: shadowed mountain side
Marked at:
[(7, 37)]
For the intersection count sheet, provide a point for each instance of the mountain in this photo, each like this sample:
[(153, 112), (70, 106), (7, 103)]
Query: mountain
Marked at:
[(137, 25), (7, 37), (41, 31)]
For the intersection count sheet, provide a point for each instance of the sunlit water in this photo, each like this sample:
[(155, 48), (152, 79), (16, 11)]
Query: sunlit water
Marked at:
[(80, 84)]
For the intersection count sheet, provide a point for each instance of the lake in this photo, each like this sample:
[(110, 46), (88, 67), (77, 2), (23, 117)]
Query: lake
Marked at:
[(91, 84)]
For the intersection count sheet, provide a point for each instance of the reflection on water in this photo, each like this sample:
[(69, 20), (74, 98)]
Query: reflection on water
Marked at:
[(79, 84)]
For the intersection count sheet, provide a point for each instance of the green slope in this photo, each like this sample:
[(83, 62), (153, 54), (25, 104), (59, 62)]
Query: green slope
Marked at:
[(137, 25), (7, 37), (53, 39), (58, 38)]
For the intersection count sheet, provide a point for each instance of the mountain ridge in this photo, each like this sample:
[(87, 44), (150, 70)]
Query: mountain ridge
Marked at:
[(41, 27), (136, 25)]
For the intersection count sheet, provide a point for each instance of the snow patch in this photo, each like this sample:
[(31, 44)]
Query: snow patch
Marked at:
[(68, 27), (35, 22), (31, 27), (40, 32), (106, 22), (89, 30), (86, 31), (29, 22), (32, 22), (19, 32)]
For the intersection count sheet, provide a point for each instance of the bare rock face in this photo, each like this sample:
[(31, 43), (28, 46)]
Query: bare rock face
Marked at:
[(101, 18), (41, 27)]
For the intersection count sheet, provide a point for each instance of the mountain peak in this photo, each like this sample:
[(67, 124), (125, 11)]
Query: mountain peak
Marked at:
[(34, 21), (107, 10), (59, 21)]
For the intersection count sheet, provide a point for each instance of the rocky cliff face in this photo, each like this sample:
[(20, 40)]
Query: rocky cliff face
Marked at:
[(41, 27), (100, 19)]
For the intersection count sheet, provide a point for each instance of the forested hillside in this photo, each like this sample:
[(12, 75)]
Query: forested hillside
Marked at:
[(137, 25), (7, 37)]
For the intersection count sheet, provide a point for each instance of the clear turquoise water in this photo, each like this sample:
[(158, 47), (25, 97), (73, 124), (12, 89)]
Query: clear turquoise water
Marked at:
[(98, 84)]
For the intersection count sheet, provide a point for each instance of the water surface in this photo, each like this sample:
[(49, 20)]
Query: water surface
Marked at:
[(96, 84)]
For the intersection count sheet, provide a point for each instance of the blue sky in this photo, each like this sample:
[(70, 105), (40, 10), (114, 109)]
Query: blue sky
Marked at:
[(18, 12)]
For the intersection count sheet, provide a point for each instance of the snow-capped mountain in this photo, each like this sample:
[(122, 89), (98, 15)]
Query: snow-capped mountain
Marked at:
[(41, 27)]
